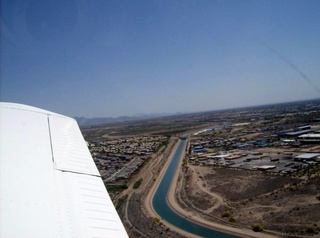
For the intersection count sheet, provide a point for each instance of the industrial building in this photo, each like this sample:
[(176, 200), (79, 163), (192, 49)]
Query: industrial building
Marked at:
[(307, 157), (311, 138)]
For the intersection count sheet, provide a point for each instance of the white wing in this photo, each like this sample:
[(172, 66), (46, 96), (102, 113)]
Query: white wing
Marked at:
[(49, 184)]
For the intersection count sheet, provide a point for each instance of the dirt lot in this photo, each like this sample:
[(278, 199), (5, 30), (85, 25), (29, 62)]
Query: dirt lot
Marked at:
[(284, 205)]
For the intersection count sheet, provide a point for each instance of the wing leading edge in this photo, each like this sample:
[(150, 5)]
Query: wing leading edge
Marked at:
[(49, 184)]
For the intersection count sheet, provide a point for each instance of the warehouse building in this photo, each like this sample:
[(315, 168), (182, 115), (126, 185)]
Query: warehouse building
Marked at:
[(307, 157)]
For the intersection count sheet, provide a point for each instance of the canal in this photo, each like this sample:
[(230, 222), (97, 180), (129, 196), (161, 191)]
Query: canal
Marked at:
[(161, 207)]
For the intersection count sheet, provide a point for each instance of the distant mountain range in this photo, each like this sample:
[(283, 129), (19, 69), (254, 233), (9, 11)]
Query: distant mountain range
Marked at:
[(83, 121)]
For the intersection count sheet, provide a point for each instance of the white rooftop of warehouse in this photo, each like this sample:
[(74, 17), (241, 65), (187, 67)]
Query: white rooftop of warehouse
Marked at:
[(307, 155)]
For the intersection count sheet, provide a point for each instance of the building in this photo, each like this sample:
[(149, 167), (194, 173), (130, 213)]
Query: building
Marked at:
[(311, 138), (266, 167), (307, 157), (293, 134)]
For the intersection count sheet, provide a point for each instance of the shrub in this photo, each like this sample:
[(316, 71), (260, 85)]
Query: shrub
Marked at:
[(257, 227), (124, 186), (310, 229), (156, 220), (227, 214), (232, 219)]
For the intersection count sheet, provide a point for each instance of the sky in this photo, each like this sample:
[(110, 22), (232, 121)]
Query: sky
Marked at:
[(101, 58)]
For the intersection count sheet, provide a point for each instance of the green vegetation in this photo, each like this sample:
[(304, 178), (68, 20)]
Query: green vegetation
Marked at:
[(184, 162), (169, 133), (310, 229), (121, 202), (165, 142), (156, 220), (116, 188), (228, 215), (257, 227), (137, 184)]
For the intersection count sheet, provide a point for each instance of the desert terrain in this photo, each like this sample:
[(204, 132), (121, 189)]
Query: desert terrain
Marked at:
[(233, 196), (284, 205)]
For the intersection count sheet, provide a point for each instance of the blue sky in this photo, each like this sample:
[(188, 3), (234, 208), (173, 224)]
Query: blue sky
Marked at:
[(112, 58)]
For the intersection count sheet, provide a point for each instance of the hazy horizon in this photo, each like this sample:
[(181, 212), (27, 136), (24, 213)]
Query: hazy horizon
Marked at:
[(110, 59), (160, 114)]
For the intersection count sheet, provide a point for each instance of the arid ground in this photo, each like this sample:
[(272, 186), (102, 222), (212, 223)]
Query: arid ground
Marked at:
[(283, 205)]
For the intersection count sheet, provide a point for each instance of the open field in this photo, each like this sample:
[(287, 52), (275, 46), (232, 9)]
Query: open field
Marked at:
[(283, 204)]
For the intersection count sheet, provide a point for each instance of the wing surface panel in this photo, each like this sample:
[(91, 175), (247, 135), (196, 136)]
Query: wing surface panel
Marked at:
[(70, 152), (49, 185), (91, 206), (26, 176)]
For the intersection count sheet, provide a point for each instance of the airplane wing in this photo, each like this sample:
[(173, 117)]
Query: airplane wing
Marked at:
[(49, 184)]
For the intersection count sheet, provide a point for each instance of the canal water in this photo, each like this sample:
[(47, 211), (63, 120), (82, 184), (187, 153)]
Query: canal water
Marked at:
[(160, 205)]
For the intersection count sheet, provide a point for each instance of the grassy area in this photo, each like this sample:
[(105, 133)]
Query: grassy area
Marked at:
[(137, 184)]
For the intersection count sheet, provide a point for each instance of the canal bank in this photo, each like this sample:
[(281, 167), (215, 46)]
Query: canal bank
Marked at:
[(175, 217), (161, 207)]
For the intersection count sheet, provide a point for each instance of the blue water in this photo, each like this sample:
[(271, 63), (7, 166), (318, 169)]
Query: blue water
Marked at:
[(160, 205)]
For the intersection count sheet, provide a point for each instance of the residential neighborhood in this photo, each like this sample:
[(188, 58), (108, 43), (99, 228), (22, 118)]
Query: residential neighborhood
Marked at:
[(118, 159)]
